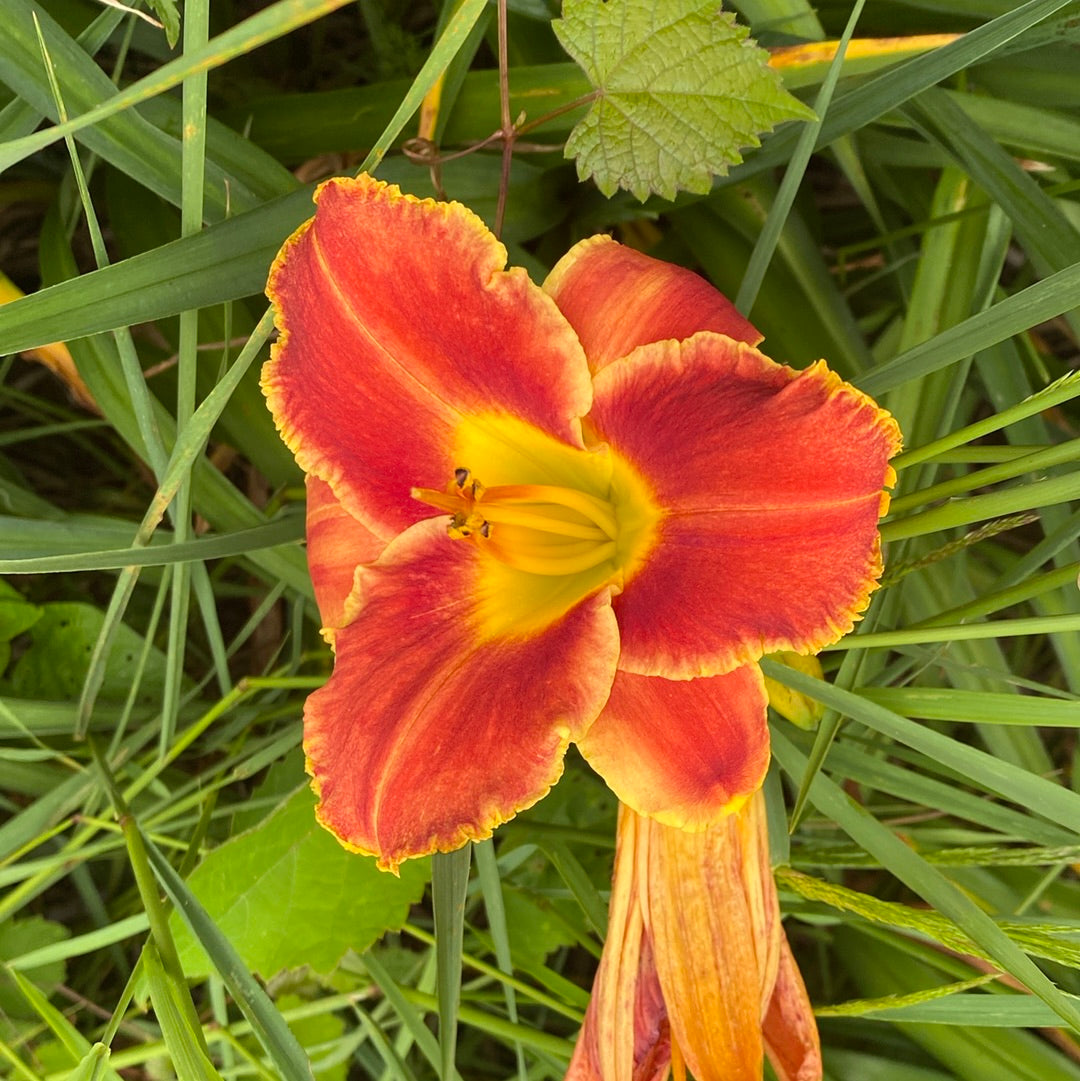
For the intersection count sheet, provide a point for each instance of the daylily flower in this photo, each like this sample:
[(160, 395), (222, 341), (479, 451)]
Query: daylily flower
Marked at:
[(577, 513), (696, 970)]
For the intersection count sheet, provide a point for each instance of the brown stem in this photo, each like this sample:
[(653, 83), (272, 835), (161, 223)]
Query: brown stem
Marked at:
[(423, 152), (577, 103), (506, 127)]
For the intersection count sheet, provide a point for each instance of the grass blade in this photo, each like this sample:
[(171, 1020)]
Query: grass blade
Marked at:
[(925, 880), (449, 884)]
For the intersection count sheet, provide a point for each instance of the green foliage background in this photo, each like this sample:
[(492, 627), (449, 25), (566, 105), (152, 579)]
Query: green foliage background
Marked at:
[(168, 906)]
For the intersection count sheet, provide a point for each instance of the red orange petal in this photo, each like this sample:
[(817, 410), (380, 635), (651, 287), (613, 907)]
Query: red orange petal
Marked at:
[(617, 298), (791, 1035), (427, 734), (685, 752), (710, 910), (625, 1034), (336, 545), (397, 319), (770, 481)]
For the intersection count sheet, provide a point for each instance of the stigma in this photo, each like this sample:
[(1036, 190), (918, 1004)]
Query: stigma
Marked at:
[(537, 528)]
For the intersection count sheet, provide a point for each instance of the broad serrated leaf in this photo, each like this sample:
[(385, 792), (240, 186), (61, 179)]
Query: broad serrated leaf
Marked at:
[(62, 642), (286, 894), (681, 90), (536, 928), (16, 616), (18, 937)]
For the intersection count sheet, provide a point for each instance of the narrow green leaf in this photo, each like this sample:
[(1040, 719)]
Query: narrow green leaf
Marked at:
[(94, 1065), (267, 25), (929, 633), (287, 529), (127, 140), (989, 603), (981, 707), (1053, 802), (449, 885), (458, 68), (486, 1022), (487, 871), (182, 1041), (922, 922), (1036, 462), (224, 262), (70, 1039), (577, 879), (44, 813), (799, 308), (1036, 304), (916, 785), (192, 201), (394, 1062), (793, 174), (402, 1005), (170, 19), (925, 880), (980, 1011), (1041, 226), (454, 37), (80, 945), (186, 454), (19, 117), (980, 508), (882, 963), (874, 97), (1037, 132), (1061, 390)]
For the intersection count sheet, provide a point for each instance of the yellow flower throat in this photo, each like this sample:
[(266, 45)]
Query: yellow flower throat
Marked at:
[(537, 528), (554, 523)]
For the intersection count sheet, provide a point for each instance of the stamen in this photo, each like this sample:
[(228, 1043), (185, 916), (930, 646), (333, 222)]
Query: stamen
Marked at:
[(440, 500), (544, 550), (553, 564), (543, 523), (595, 509), (549, 530), (465, 525)]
